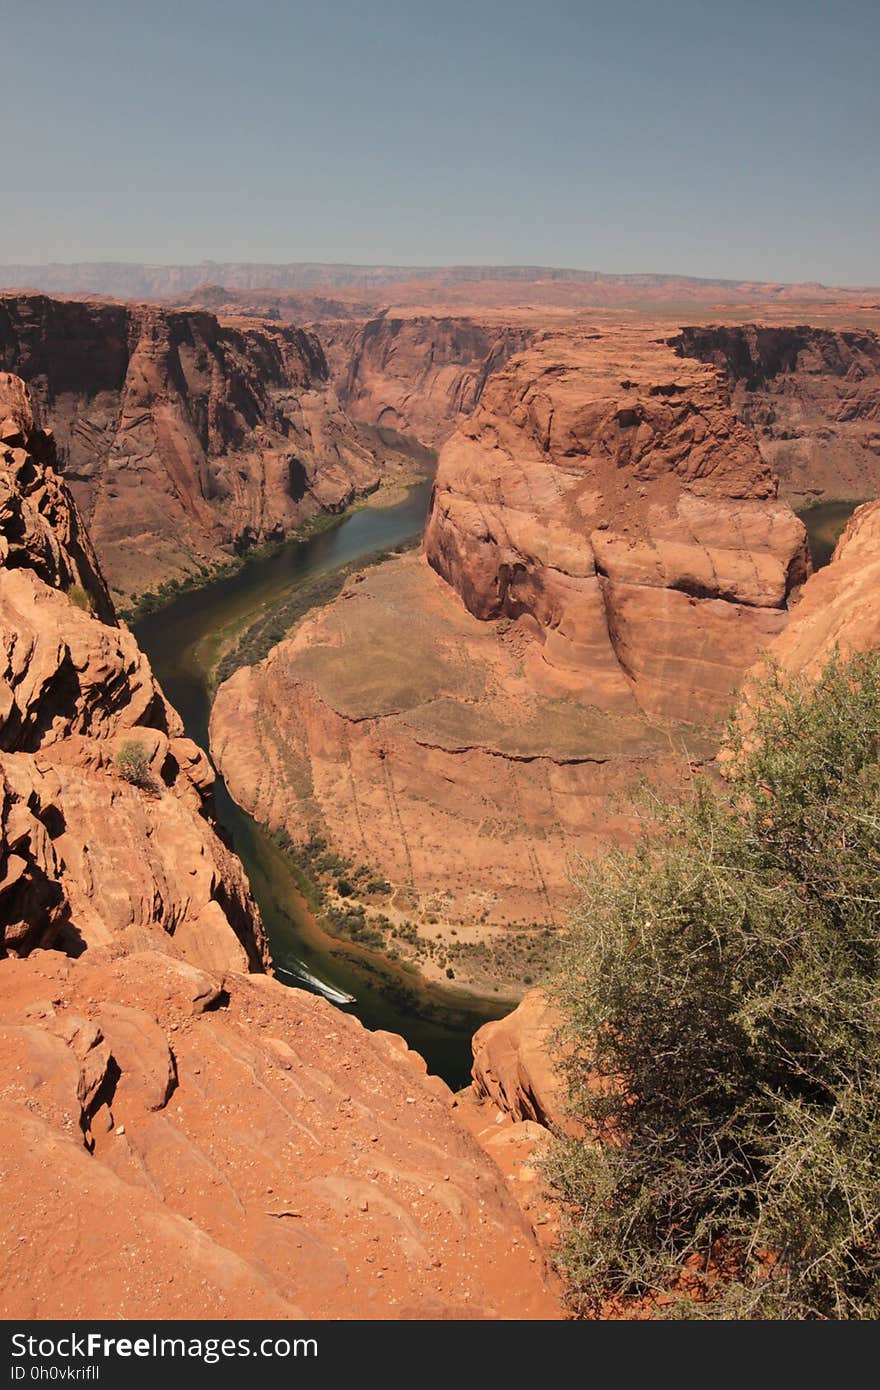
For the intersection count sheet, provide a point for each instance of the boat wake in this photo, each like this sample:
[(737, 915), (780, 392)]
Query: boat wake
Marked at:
[(299, 975)]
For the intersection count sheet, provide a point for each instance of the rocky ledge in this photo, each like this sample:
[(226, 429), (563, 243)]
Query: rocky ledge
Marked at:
[(183, 1144)]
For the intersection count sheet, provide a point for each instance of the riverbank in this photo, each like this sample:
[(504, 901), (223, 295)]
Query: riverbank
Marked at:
[(409, 464)]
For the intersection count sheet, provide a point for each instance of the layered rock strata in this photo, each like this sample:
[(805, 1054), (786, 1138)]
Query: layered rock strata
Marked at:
[(184, 438), (606, 492), (416, 374), (812, 398)]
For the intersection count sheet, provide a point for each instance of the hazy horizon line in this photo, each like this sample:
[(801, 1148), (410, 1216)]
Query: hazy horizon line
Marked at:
[(557, 271)]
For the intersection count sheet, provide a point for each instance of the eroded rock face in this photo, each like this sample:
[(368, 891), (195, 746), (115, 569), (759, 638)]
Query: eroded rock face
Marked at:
[(516, 1063), (812, 398), (182, 437), (182, 1144), (416, 374), (87, 857), (605, 490)]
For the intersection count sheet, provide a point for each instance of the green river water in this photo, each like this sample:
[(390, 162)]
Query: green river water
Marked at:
[(824, 524)]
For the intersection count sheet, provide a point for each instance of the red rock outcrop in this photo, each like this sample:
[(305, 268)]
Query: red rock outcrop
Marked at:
[(515, 1063), (184, 438), (810, 395), (416, 374), (87, 857), (605, 491), (180, 1144)]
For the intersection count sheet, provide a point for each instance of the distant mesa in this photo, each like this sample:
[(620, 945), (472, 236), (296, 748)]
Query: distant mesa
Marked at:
[(143, 280)]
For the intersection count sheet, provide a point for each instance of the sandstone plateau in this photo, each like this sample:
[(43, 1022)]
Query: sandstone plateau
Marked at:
[(605, 556), (186, 439), (140, 281), (186, 1137)]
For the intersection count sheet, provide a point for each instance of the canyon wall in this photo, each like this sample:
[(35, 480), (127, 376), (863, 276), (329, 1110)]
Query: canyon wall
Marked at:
[(605, 557), (185, 1137), (184, 438), (812, 398), (416, 374)]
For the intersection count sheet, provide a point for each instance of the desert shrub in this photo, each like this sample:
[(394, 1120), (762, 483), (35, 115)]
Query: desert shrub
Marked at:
[(719, 993), (79, 598), (133, 764), (378, 886)]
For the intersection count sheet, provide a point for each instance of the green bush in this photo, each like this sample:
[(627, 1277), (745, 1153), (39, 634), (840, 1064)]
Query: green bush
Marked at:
[(721, 1012), (79, 598), (133, 764)]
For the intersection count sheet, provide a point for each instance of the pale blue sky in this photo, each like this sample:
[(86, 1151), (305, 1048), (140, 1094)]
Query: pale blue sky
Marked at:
[(713, 138)]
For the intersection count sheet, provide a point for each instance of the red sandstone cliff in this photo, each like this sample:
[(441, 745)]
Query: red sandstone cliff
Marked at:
[(810, 395), (416, 374), (89, 858), (605, 491), (182, 437)]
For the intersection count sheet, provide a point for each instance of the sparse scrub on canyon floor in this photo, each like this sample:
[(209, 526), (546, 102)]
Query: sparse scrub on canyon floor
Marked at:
[(353, 904), (722, 1021)]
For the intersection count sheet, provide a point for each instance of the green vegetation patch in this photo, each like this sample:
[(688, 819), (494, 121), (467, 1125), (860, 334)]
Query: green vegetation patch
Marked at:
[(721, 1012)]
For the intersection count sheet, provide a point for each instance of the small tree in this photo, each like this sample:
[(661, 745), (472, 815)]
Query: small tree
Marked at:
[(133, 764), (722, 1017)]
